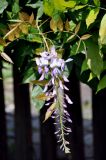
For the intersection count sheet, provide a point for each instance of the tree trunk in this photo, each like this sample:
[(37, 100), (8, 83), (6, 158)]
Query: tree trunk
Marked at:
[(48, 139), (3, 135), (99, 125), (76, 141), (23, 130)]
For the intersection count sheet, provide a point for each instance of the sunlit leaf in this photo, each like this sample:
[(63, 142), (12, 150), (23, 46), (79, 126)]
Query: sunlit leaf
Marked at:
[(77, 28), (92, 16), (94, 59), (97, 2), (3, 5), (40, 83), (71, 37), (24, 28), (50, 7), (50, 111), (91, 76), (60, 24), (24, 16), (38, 51), (12, 31), (102, 30), (53, 25), (43, 97), (86, 36), (31, 18), (79, 7), (67, 25), (1, 48), (102, 84)]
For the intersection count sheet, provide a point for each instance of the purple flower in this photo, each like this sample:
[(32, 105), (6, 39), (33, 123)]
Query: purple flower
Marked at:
[(40, 70), (55, 72), (50, 64)]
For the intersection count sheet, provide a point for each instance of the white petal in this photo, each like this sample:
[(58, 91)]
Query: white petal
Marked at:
[(44, 54), (53, 63), (37, 61), (42, 77), (69, 60), (65, 78), (53, 51), (68, 99), (61, 85), (44, 61), (54, 92), (47, 104), (66, 88), (45, 89), (53, 80)]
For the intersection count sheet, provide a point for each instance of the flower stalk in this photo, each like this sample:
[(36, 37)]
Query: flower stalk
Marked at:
[(49, 65)]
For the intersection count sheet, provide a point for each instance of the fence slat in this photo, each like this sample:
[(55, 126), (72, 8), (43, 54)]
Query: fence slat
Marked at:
[(77, 144), (48, 139), (99, 125), (3, 136), (23, 132)]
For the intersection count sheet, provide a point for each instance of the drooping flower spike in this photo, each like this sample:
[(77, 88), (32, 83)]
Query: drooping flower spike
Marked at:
[(49, 64)]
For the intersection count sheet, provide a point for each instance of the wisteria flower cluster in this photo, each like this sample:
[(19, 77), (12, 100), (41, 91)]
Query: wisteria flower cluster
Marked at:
[(49, 64)]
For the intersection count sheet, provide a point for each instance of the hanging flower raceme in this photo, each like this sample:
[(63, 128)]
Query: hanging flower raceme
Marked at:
[(49, 65)]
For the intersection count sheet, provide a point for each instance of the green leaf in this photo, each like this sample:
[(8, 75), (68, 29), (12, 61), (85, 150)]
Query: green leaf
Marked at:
[(40, 83), (51, 6), (92, 16), (40, 12), (94, 59), (15, 8), (102, 84), (1, 48), (97, 2), (62, 4), (84, 1), (37, 90), (102, 31), (35, 5), (78, 47), (34, 38), (104, 65), (79, 7), (29, 75), (3, 5), (84, 66), (38, 5), (91, 76)]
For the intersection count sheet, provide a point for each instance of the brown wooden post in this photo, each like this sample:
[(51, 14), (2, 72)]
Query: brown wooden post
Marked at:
[(48, 139), (23, 130), (76, 141), (3, 134), (99, 125)]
